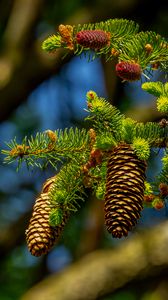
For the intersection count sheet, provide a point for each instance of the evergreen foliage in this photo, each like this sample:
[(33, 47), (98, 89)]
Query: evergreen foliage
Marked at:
[(85, 155), (164, 173), (148, 49), (40, 150)]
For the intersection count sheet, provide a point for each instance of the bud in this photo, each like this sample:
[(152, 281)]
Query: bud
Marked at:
[(148, 48), (114, 52), (92, 134)]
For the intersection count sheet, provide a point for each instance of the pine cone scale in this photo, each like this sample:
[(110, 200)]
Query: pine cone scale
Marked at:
[(125, 194), (125, 187)]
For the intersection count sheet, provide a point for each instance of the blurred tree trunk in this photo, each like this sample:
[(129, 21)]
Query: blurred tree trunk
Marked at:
[(103, 272)]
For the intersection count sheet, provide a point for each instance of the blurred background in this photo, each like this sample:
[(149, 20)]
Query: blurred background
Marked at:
[(39, 92)]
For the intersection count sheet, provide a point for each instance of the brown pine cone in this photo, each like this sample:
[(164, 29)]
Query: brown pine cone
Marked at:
[(124, 190), (40, 235)]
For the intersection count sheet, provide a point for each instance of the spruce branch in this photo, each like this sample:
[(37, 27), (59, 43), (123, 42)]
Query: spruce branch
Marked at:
[(114, 38), (128, 130), (152, 132), (145, 48), (105, 117), (163, 65), (163, 176), (41, 150), (162, 104), (141, 148), (111, 157), (110, 126), (100, 186), (68, 190), (111, 154), (119, 28), (156, 88), (159, 90), (52, 43), (116, 31)]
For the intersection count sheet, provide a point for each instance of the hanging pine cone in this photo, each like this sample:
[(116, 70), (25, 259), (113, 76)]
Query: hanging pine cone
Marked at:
[(124, 190), (40, 235), (93, 39)]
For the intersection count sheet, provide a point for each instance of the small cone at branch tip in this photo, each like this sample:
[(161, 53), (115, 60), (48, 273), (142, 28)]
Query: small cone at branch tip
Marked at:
[(128, 71), (115, 52), (124, 190), (40, 236), (148, 48)]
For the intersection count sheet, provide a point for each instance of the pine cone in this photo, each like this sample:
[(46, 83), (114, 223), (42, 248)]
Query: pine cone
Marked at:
[(93, 39), (40, 235), (124, 190)]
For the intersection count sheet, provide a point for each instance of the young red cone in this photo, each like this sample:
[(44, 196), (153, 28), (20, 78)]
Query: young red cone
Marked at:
[(128, 71), (93, 39)]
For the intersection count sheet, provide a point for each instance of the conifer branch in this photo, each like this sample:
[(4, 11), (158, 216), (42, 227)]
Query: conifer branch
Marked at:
[(152, 132), (105, 117), (68, 189), (117, 31), (163, 176), (145, 48), (159, 90), (113, 38), (111, 157), (156, 88), (41, 149)]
